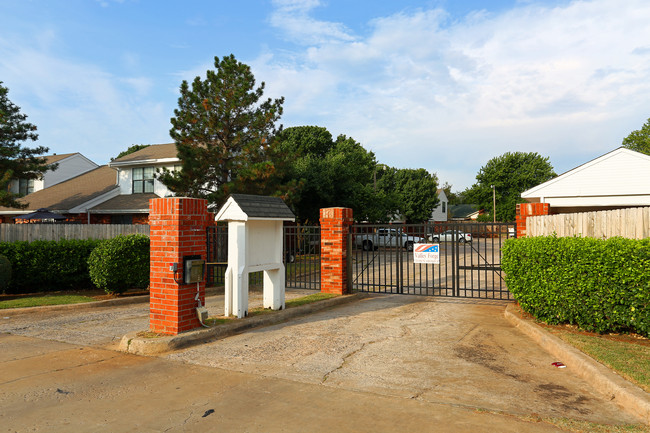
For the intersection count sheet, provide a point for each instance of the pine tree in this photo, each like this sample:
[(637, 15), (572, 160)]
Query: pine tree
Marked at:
[(16, 161), (224, 137)]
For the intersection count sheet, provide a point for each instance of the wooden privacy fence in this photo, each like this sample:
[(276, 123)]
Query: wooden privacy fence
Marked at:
[(55, 232), (633, 223)]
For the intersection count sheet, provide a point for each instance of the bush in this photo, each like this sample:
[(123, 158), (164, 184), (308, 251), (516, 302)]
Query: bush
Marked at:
[(41, 266), (599, 285), (5, 273), (121, 263)]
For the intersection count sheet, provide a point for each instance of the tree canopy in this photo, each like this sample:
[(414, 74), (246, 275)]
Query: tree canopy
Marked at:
[(511, 174), (16, 161), (224, 135), (130, 150), (412, 192), (639, 140), (327, 172)]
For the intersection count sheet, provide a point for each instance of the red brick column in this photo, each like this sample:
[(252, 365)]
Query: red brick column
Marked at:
[(524, 210), (334, 228), (177, 229)]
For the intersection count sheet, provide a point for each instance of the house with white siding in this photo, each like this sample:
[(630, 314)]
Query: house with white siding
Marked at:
[(440, 212), (69, 165), (618, 179), (117, 193)]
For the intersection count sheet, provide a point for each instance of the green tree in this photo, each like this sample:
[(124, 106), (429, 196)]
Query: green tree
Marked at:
[(224, 135), (16, 161), (639, 140), (130, 150), (511, 174), (413, 192), (452, 197), (327, 173)]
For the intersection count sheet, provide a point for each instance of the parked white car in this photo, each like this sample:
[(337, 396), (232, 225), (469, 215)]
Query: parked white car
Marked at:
[(384, 237), (449, 236)]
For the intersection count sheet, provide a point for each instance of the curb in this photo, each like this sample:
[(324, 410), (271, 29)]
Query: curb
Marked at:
[(10, 312), (133, 344), (626, 395)]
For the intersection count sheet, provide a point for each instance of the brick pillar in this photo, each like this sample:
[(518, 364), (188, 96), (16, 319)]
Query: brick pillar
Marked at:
[(524, 210), (177, 229), (334, 228)]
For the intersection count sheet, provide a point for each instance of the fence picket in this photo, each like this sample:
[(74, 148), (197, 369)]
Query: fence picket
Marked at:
[(55, 232), (631, 223)]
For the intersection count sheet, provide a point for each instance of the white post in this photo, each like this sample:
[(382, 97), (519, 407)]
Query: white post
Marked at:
[(274, 288), (236, 284)]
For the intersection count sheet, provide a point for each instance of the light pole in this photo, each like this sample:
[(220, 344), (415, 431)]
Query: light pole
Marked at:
[(494, 205)]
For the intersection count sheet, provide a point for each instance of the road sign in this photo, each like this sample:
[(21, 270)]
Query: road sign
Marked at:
[(426, 253)]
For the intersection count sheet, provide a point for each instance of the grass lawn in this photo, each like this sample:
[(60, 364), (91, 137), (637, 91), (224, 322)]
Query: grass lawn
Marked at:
[(289, 303), (628, 355), (37, 301)]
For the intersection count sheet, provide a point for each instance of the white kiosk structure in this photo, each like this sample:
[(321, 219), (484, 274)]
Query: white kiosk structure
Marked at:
[(255, 231)]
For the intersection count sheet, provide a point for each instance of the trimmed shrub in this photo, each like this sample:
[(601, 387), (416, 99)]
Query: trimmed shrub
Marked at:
[(5, 273), (42, 266), (121, 263), (598, 285)]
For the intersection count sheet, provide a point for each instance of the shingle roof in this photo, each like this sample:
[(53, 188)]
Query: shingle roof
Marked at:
[(133, 203), (260, 206), (462, 210), (55, 158), (72, 192), (154, 151)]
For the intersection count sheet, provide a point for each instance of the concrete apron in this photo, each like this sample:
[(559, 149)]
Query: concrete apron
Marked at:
[(443, 351)]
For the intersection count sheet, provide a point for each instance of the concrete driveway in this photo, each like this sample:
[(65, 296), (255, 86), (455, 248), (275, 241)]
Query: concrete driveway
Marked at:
[(440, 351), (385, 363)]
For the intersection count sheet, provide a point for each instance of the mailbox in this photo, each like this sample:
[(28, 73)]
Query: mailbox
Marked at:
[(193, 269)]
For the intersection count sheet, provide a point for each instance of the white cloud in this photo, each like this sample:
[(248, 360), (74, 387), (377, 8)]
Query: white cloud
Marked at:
[(419, 90), (79, 107), (292, 16)]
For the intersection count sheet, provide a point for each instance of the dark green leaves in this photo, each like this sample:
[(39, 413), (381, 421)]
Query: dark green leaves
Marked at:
[(17, 162), (224, 135), (599, 285)]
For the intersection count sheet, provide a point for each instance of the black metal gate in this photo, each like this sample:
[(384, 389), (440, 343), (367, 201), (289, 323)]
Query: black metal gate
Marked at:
[(382, 259), (217, 254), (301, 257)]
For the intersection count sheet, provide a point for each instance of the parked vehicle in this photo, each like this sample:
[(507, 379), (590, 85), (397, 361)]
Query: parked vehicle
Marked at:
[(449, 236), (385, 237)]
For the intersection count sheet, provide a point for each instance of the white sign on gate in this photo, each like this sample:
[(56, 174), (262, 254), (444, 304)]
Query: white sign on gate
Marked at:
[(426, 253)]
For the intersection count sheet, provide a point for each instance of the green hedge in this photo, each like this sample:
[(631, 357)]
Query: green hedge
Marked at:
[(121, 263), (43, 266), (599, 285)]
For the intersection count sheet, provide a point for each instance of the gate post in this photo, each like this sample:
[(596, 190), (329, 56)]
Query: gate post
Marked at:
[(524, 210), (177, 229), (335, 226)]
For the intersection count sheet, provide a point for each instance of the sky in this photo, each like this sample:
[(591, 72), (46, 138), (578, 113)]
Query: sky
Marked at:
[(444, 85)]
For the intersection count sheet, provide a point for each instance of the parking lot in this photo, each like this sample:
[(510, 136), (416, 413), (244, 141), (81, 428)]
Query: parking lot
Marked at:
[(470, 269)]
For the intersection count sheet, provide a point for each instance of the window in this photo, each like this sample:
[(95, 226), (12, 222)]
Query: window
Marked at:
[(25, 186), (121, 219), (444, 207), (142, 180)]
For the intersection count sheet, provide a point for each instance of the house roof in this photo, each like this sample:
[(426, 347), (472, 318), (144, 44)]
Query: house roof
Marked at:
[(71, 193), (463, 210), (51, 159), (618, 178), (150, 154), (126, 203), (246, 206)]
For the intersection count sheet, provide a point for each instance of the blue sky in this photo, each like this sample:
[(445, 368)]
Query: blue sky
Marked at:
[(443, 85)]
